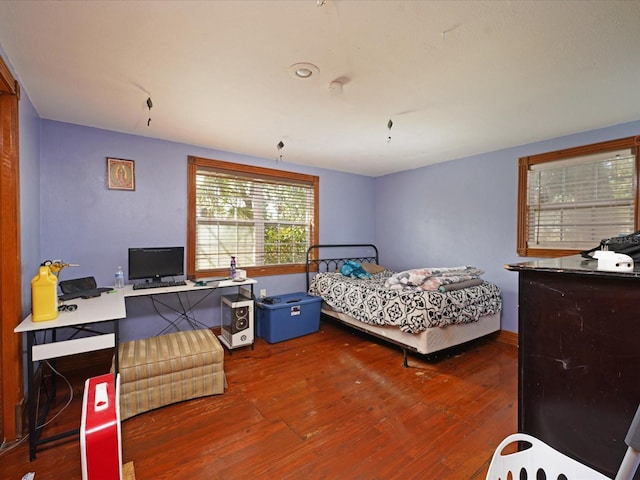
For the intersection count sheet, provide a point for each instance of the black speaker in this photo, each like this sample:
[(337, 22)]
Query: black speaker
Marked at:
[(240, 319), (236, 321)]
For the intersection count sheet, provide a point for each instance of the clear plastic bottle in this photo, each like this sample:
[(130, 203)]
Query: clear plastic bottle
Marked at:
[(119, 278), (232, 271)]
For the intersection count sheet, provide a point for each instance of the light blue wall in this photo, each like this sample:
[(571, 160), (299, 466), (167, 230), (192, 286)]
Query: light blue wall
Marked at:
[(30, 180), (463, 212), (83, 222)]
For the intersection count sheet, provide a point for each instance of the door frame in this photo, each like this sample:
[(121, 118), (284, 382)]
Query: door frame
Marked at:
[(11, 362)]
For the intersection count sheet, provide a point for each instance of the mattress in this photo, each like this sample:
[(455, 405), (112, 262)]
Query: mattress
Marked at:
[(370, 302)]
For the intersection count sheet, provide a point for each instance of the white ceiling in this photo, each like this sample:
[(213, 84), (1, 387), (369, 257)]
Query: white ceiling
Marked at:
[(457, 78)]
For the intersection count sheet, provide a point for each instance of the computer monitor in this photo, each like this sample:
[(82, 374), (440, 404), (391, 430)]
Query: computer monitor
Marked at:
[(155, 262)]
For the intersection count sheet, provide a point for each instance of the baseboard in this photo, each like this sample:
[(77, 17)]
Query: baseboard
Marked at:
[(504, 336)]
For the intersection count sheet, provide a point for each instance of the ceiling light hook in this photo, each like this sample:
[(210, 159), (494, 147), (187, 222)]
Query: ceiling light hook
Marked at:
[(280, 146), (149, 105), (389, 125)]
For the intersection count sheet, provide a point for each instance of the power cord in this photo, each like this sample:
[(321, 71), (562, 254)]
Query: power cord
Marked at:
[(68, 401), (8, 446)]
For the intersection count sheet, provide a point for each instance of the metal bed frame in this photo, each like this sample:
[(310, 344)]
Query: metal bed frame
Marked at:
[(315, 264)]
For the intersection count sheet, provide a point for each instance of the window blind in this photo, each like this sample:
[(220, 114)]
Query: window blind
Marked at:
[(575, 203), (259, 219)]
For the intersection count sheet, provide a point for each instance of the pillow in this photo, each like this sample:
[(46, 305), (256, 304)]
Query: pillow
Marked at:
[(372, 268), (353, 269)]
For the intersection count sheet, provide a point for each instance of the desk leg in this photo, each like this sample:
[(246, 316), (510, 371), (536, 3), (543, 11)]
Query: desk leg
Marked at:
[(31, 404), (255, 318), (54, 362), (116, 360)]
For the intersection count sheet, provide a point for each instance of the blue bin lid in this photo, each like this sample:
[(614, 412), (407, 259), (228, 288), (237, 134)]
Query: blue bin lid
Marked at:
[(280, 301)]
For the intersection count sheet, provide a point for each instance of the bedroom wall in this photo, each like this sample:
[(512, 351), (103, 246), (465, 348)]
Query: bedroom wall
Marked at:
[(83, 222), (30, 219), (463, 212), (29, 125), (458, 212)]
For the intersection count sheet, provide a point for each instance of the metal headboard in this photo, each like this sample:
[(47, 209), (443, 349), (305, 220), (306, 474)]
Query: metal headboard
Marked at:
[(315, 264)]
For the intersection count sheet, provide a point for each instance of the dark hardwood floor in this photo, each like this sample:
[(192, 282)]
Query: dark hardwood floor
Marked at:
[(334, 404)]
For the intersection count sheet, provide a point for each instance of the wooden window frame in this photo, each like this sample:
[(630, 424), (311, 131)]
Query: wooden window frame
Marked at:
[(524, 165), (193, 164)]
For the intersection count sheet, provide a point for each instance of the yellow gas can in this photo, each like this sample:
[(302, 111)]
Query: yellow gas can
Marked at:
[(44, 300)]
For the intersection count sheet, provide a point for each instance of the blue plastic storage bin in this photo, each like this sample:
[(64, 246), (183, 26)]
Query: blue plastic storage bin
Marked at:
[(289, 316)]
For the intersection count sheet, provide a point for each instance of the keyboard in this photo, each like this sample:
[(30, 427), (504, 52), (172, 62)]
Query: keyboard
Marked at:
[(144, 286)]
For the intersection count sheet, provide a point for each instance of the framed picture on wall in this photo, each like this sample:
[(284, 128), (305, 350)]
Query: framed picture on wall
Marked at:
[(121, 174)]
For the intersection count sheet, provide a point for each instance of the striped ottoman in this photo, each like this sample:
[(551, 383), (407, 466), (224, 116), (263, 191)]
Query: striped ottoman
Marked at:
[(158, 371)]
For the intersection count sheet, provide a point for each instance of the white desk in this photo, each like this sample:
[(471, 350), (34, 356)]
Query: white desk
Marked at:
[(105, 308), (189, 287), (108, 307), (184, 311)]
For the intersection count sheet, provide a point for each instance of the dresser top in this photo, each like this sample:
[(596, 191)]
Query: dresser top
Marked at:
[(571, 264)]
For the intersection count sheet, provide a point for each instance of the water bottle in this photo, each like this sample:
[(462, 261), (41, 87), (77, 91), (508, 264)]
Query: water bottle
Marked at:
[(232, 271), (119, 278)]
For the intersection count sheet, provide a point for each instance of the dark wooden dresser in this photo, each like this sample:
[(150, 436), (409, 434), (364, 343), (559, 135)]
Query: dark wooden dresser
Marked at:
[(579, 357)]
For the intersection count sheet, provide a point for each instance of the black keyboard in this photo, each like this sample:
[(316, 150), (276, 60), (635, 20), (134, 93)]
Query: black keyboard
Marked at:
[(144, 286)]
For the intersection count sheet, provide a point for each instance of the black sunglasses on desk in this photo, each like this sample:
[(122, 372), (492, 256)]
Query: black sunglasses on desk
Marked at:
[(68, 308)]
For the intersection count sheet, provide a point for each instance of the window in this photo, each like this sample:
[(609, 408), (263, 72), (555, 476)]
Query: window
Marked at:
[(265, 218), (569, 200)]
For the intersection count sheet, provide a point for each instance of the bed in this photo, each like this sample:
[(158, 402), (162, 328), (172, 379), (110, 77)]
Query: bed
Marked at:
[(420, 321)]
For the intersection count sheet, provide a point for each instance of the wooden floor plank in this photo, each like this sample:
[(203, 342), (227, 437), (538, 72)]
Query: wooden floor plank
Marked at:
[(334, 404)]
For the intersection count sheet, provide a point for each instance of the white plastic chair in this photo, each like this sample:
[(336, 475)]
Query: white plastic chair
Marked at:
[(538, 457)]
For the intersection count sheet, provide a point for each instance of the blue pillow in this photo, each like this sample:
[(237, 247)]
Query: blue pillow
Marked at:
[(353, 269)]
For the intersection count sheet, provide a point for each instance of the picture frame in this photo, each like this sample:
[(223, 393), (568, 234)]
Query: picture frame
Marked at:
[(121, 174)]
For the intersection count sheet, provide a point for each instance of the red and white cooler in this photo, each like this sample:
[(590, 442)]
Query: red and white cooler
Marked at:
[(100, 438)]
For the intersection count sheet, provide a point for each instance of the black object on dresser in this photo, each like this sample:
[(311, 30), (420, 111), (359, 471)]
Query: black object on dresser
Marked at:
[(579, 358)]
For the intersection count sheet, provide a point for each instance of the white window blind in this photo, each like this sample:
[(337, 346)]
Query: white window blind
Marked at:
[(261, 220), (575, 203)]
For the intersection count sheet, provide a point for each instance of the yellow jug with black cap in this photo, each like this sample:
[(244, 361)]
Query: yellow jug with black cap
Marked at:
[(44, 299)]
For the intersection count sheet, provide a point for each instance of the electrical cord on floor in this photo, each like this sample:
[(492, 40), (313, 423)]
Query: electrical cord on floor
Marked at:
[(8, 446)]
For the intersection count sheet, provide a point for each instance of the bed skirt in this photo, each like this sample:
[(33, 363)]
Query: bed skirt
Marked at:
[(428, 341)]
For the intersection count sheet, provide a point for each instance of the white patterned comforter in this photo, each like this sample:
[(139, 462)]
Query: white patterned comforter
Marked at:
[(370, 302)]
